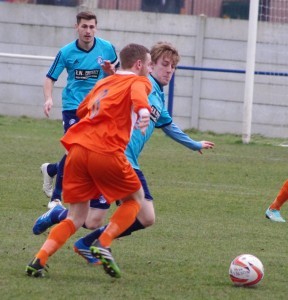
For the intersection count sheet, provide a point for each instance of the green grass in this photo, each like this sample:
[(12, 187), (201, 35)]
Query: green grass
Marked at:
[(210, 208)]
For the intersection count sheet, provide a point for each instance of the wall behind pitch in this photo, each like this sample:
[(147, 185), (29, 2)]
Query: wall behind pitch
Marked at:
[(203, 100)]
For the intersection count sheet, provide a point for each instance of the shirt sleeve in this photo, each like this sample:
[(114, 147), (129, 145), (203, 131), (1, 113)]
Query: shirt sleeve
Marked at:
[(140, 90), (164, 119), (113, 58), (57, 67), (175, 133)]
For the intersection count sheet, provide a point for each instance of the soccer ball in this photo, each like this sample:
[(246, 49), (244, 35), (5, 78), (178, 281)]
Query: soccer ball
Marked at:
[(246, 270)]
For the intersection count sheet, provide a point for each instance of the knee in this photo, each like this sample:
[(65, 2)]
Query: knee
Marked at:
[(94, 223), (147, 221)]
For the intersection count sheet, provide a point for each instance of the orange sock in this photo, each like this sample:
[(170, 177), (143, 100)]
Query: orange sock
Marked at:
[(43, 256), (281, 198), (56, 239), (123, 217)]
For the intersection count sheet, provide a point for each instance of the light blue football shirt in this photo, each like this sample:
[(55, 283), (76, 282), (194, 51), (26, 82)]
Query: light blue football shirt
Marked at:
[(159, 117), (83, 69)]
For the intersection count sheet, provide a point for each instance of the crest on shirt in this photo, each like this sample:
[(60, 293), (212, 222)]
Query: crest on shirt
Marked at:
[(100, 60)]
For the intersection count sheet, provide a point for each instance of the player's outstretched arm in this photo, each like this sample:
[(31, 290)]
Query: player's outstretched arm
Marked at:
[(206, 145), (175, 133)]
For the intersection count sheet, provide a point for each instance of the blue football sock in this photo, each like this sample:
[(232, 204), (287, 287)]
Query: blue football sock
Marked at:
[(57, 192), (52, 169), (90, 238)]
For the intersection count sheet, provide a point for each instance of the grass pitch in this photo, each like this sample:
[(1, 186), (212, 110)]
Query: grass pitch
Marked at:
[(210, 208)]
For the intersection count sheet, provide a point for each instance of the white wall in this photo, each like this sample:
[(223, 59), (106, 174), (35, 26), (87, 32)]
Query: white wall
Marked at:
[(203, 100)]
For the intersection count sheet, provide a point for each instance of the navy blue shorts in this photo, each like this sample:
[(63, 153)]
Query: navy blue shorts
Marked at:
[(69, 118), (99, 203), (144, 184), (102, 204)]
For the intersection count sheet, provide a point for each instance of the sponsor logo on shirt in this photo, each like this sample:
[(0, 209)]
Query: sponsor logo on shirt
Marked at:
[(85, 74), (155, 114)]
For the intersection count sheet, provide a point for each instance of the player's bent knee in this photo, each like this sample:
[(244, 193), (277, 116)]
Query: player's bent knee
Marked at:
[(148, 221), (94, 223)]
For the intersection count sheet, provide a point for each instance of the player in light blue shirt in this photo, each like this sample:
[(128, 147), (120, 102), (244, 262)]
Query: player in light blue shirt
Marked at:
[(86, 60), (84, 69), (160, 118), (164, 61)]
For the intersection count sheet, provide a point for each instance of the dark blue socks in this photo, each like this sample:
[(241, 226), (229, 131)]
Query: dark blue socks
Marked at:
[(57, 192), (90, 238), (52, 169)]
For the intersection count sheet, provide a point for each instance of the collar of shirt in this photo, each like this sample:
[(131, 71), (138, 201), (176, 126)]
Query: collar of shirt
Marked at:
[(120, 72), (160, 85)]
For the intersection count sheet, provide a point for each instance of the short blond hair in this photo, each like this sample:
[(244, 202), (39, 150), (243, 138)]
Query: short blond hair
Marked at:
[(167, 50)]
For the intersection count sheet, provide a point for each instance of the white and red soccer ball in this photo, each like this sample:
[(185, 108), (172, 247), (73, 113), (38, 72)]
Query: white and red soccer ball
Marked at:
[(246, 270)]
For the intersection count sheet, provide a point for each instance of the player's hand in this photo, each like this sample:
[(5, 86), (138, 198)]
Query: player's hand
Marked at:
[(206, 145), (143, 123), (108, 68), (47, 106)]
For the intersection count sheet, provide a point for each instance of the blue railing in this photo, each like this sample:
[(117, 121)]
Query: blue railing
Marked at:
[(172, 81)]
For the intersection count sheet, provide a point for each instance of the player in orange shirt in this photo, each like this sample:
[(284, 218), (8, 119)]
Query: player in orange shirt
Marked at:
[(96, 163), (273, 211)]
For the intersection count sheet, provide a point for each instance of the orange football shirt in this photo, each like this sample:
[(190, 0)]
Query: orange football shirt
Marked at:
[(110, 111)]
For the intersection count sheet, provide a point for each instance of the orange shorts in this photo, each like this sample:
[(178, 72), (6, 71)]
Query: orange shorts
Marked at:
[(88, 174)]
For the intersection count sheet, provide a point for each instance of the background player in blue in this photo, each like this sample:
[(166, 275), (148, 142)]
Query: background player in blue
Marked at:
[(86, 60), (164, 61)]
